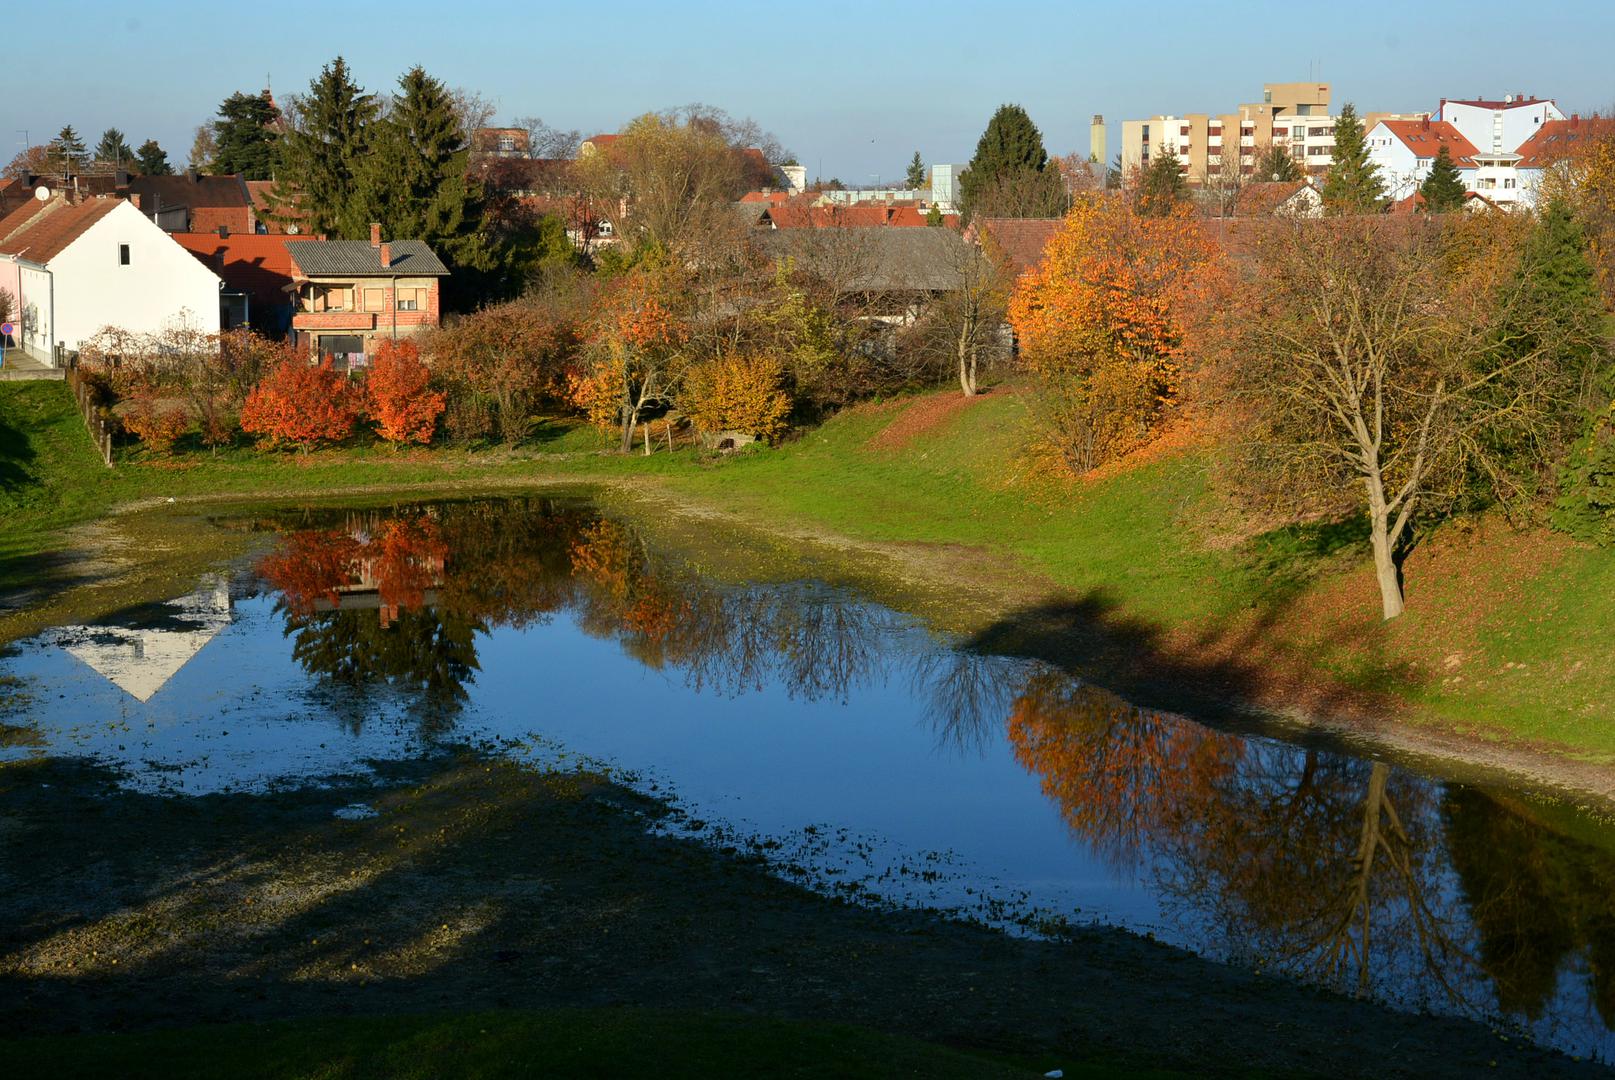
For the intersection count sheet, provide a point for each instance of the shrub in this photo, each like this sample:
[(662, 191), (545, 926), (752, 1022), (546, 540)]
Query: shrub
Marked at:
[(300, 403), (737, 393), (399, 396), (157, 425)]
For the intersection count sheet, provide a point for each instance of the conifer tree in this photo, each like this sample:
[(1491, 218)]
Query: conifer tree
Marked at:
[(1162, 187), (1011, 167), (916, 172), (245, 137), (1443, 189), (1353, 185), (67, 151), (152, 160), (1276, 165), (414, 181), (113, 150), (322, 155)]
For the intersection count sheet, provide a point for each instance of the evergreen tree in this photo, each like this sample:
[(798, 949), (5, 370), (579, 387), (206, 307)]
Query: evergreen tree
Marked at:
[(1011, 166), (113, 150), (1353, 185), (322, 156), (1162, 188), (916, 176), (414, 180), (1443, 189), (1276, 165), (245, 137), (152, 160), (67, 151)]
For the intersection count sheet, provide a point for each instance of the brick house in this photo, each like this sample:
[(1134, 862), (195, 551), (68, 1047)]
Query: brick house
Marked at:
[(193, 202), (350, 294)]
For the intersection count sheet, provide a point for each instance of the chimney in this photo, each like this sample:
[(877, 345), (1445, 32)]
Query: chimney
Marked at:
[(375, 234), (135, 199), (1426, 123), (224, 232), (386, 256), (192, 175)]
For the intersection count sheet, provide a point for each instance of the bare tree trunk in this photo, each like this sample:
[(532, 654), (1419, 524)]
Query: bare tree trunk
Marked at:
[(1385, 569), (967, 362)]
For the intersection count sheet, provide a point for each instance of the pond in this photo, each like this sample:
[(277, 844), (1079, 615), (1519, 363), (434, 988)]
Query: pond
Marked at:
[(860, 752)]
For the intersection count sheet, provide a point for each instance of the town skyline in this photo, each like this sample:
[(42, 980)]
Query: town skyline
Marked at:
[(847, 106)]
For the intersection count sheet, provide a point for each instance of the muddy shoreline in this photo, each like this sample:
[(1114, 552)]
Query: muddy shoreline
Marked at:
[(995, 605), (482, 884)]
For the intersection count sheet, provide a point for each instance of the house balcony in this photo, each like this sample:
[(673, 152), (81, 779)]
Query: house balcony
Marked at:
[(334, 320)]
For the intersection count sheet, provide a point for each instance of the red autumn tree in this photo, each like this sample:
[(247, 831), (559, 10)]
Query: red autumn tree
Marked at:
[(399, 396), (300, 404)]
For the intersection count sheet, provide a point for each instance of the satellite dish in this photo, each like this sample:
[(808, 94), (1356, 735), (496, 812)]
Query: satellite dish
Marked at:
[(42, 193)]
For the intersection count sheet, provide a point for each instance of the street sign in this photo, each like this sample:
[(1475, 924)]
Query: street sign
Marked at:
[(6, 330)]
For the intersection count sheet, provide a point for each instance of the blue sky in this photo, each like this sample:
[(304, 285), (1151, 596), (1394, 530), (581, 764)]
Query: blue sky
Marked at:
[(856, 87)]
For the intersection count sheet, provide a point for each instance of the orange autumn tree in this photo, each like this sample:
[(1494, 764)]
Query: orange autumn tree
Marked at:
[(1101, 323), (633, 361), (399, 395), (299, 403)]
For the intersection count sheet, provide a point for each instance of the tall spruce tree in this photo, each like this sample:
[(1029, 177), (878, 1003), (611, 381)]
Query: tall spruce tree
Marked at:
[(1162, 188), (67, 151), (414, 181), (245, 136), (322, 156), (152, 160), (1010, 172), (114, 150), (916, 172), (1443, 189), (1353, 185), (1276, 165)]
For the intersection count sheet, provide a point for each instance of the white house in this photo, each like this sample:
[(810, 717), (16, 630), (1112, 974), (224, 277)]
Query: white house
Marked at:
[(1404, 151), (1501, 126), (76, 267)]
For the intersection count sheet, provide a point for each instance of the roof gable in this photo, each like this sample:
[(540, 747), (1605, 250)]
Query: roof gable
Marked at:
[(49, 234), (1425, 138)]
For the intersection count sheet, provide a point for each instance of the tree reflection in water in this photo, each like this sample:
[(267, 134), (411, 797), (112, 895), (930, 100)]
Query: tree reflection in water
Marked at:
[(1342, 869)]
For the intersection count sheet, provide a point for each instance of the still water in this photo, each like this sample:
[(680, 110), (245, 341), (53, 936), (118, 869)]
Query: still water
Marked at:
[(864, 754)]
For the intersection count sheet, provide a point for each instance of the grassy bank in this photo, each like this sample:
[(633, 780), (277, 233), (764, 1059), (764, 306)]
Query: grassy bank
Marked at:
[(1137, 574)]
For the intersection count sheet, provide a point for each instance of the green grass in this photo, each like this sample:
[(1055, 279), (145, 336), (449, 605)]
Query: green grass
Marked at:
[(487, 1046)]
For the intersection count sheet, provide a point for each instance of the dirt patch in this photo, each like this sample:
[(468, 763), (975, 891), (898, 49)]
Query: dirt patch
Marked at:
[(478, 884), (919, 417)]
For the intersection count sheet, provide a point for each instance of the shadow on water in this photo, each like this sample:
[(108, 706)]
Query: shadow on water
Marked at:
[(1352, 873)]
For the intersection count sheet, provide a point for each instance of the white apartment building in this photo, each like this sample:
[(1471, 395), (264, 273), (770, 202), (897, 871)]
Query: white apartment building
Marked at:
[(1499, 126)]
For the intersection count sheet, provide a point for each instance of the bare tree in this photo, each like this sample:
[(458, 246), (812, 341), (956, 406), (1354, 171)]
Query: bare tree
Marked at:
[(549, 142), (969, 320), (1398, 360), (471, 110)]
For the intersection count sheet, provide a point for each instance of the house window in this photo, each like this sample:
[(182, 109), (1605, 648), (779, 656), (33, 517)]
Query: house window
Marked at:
[(123, 254), (1146, 133), (409, 299), (332, 298), (1184, 130), (375, 299)]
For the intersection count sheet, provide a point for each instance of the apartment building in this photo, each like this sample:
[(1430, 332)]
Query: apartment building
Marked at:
[(1293, 115)]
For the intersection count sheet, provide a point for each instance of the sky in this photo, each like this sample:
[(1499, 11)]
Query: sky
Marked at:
[(853, 89)]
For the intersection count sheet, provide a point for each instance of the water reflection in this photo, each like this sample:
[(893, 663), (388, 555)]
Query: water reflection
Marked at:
[(1344, 870)]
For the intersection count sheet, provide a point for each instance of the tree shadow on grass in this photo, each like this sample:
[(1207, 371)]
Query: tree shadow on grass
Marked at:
[(16, 454)]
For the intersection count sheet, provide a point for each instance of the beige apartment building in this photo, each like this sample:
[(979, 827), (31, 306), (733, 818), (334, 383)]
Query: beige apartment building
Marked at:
[(1294, 115)]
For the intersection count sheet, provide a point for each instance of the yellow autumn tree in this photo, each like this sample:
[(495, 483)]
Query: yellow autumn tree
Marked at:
[(738, 393)]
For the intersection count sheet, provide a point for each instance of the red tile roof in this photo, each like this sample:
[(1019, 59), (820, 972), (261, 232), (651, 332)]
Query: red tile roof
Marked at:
[(255, 264), (1426, 138), (46, 236), (1264, 197), (773, 197), (1555, 139), (1020, 240), (797, 216)]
